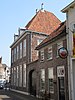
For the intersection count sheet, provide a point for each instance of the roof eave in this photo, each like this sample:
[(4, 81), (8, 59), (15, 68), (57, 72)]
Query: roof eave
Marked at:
[(71, 5)]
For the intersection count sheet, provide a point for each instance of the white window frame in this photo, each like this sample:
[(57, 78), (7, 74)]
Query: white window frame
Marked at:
[(17, 51), (21, 50), (50, 80), (17, 75), (14, 76), (12, 56), (42, 55), (24, 48), (50, 55), (20, 78), (24, 75), (42, 80)]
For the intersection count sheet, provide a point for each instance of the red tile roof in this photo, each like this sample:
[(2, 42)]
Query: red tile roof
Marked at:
[(59, 30), (43, 21)]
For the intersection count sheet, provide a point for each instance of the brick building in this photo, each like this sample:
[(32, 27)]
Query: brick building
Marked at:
[(49, 74), (23, 48)]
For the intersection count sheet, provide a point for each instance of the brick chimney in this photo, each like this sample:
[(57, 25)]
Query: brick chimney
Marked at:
[(0, 60)]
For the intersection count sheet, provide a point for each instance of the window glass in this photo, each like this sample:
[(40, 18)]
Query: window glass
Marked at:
[(17, 52), (17, 76), (24, 75), (21, 50), (12, 54), (20, 81), (42, 81), (50, 52), (42, 55), (24, 48), (50, 80)]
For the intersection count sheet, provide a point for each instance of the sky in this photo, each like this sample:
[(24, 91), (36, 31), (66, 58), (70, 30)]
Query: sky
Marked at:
[(17, 13)]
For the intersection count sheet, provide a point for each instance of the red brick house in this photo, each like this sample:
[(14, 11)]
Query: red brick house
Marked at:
[(49, 74), (23, 48)]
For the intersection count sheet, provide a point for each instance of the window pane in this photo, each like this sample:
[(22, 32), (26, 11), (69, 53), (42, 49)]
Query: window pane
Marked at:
[(50, 52), (21, 50), (50, 79), (24, 75), (42, 55), (42, 81), (24, 48)]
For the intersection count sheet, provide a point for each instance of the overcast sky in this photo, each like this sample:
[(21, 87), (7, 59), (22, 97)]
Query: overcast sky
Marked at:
[(17, 13)]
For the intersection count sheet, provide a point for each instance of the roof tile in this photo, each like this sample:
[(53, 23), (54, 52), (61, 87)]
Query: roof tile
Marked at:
[(44, 21)]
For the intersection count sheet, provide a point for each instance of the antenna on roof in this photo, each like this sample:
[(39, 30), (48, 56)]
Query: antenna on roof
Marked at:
[(42, 6)]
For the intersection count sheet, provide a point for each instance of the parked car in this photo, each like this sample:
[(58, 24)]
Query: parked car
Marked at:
[(7, 86), (2, 83)]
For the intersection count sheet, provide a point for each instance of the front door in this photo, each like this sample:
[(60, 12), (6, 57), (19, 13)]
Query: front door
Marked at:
[(61, 88), (32, 82)]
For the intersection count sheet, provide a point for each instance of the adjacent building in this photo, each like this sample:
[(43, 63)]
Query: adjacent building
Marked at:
[(70, 29), (48, 76), (4, 71)]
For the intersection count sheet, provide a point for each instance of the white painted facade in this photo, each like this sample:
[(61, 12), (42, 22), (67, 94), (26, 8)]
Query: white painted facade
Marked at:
[(70, 21)]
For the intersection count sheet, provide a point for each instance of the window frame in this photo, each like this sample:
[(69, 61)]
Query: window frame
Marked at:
[(50, 53), (42, 55)]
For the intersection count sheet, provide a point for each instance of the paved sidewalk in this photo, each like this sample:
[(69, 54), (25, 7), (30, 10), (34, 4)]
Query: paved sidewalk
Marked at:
[(24, 95)]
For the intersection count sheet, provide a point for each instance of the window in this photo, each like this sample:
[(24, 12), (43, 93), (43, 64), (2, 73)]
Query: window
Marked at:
[(24, 48), (50, 80), (42, 81), (17, 76), (59, 45), (14, 76), (24, 75), (21, 50), (38, 42), (20, 81), (50, 52), (42, 55), (12, 54), (12, 80), (17, 52)]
